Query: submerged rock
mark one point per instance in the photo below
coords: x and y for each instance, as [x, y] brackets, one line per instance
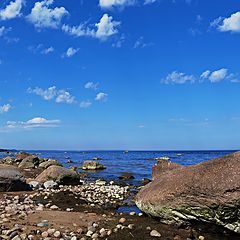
[126, 176]
[11, 179]
[92, 165]
[207, 192]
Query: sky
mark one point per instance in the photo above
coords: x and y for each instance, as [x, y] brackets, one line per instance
[120, 74]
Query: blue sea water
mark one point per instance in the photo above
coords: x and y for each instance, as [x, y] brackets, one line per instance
[138, 163]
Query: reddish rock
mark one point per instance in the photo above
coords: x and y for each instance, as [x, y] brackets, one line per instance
[21, 155]
[208, 192]
[162, 167]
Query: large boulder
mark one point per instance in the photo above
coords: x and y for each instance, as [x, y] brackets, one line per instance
[92, 165]
[29, 162]
[11, 179]
[60, 175]
[21, 155]
[8, 160]
[207, 192]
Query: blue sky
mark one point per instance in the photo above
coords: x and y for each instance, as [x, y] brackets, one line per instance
[120, 74]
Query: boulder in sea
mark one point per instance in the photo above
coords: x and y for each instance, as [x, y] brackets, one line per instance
[126, 176]
[92, 165]
[48, 163]
[206, 192]
[60, 175]
[29, 162]
[11, 179]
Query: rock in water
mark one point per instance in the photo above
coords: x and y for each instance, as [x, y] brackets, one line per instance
[11, 179]
[207, 192]
[92, 165]
[59, 174]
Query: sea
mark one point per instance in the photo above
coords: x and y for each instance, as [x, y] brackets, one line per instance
[137, 163]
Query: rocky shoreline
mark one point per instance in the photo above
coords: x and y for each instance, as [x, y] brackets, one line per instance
[40, 199]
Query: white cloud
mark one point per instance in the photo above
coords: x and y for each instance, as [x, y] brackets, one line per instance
[115, 3]
[141, 44]
[64, 97]
[101, 96]
[85, 104]
[141, 126]
[104, 29]
[178, 78]
[12, 10]
[5, 108]
[70, 52]
[149, 2]
[231, 24]
[37, 122]
[52, 93]
[215, 76]
[44, 17]
[47, 50]
[4, 31]
[91, 85]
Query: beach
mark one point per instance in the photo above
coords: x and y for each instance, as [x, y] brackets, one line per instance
[91, 208]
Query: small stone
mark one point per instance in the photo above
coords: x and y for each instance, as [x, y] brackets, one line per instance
[57, 234]
[131, 226]
[95, 236]
[45, 234]
[201, 238]
[54, 207]
[132, 213]
[122, 220]
[155, 233]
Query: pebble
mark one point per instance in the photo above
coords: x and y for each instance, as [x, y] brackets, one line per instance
[122, 220]
[201, 238]
[57, 234]
[155, 233]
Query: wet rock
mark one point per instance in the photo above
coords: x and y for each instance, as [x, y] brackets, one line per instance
[207, 192]
[11, 179]
[145, 181]
[126, 176]
[92, 165]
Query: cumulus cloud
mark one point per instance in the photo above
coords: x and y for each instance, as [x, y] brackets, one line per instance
[215, 76]
[42, 16]
[116, 3]
[178, 78]
[5, 108]
[91, 85]
[52, 93]
[101, 96]
[230, 24]
[37, 122]
[70, 52]
[12, 10]
[85, 104]
[103, 30]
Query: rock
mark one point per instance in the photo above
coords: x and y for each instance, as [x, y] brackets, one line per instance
[60, 175]
[48, 163]
[50, 184]
[145, 181]
[21, 155]
[126, 176]
[57, 234]
[8, 160]
[35, 184]
[92, 165]
[11, 179]
[164, 166]
[207, 192]
[29, 162]
[122, 220]
[155, 233]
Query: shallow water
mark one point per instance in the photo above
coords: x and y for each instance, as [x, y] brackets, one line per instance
[139, 163]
